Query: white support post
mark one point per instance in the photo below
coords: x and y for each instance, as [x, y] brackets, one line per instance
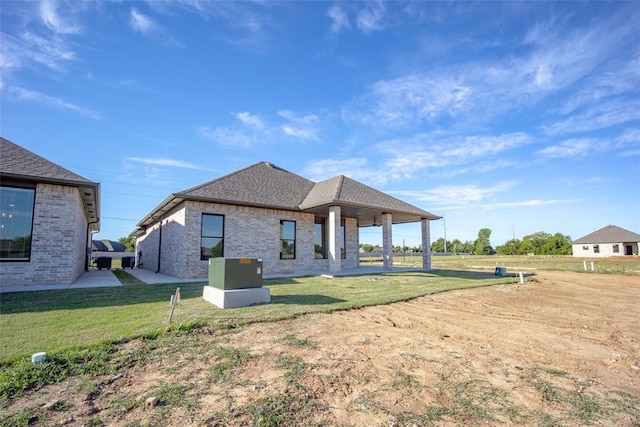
[335, 258]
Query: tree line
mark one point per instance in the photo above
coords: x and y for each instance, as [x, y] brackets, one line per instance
[539, 243]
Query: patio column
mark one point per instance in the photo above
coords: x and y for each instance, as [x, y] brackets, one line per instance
[426, 244]
[387, 242]
[335, 258]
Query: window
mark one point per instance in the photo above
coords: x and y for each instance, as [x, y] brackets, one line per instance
[287, 239]
[616, 248]
[16, 223]
[596, 249]
[585, 247]
[212, 236]
[320, 238]
[343, 251]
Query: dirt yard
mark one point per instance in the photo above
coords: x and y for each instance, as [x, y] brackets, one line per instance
[563, 349]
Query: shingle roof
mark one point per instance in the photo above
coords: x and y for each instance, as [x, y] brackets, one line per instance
[267, 185]
[609, 234]
[262, 184]
[342, 190]
[18, 163]
[106, 245]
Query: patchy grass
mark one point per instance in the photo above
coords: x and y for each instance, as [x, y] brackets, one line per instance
[292, 340]
[58, 320]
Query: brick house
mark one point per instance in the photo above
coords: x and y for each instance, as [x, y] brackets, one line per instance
[265, 212]
[608, 241]
[47, 214]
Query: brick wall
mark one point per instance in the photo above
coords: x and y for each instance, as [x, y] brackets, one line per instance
[59, 241]
[249, 232]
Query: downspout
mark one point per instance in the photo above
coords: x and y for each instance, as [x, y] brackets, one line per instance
[159, 247]
[89, 243]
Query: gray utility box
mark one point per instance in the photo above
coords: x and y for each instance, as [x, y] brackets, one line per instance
[235, 273]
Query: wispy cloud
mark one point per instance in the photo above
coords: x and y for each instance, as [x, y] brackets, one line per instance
[146, 25]
[251, 130]
[28, 48]
[23, 94]
[250, 120]
[431, 151]
[357, 168]
[51, 18]
[143, 23]
[165, 162]
[599, 115]
[371, 17]
[410, 101]
[452, 197]
[455, 195]
[570, 148]
[339, 20]
[477, 91]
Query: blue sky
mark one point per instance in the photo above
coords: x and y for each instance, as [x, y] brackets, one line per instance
[518, 117]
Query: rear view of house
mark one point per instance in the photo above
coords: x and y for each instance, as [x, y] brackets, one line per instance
[263, 211]
[47, 214]
[608, 241]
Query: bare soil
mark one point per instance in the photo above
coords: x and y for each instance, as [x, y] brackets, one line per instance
[563, 349]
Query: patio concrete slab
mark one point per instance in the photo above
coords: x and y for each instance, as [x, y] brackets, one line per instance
[105, 278]
[89, 279]
[151, 278]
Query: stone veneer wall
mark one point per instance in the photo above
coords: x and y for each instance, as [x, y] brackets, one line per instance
[59, 240]
[249, 232]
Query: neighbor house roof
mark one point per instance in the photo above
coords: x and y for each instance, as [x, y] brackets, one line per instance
[20, 164]
[106, 245]
[609, 234]
[267, 185]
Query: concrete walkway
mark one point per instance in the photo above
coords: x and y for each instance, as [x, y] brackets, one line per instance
[89, 279]
[105, 278]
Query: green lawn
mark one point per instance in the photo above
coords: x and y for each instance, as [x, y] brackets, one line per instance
[59, 320]
[526, 264]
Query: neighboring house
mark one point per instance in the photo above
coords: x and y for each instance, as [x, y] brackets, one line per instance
[608, 241]
[109, 248]
[289, 222]
[47, 215]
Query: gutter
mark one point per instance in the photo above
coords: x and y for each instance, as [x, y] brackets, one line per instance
[89, 243]
[159, 247]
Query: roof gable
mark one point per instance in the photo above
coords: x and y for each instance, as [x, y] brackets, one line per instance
[262, 184]
[18, 162]
[266, 185]
[609, 234]
[346, 191]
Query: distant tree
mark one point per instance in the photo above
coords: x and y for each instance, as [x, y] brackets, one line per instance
[482, 243]
[129, 243]
[367, 247]
[539, 243]
[512, 247]
[534, 243]
[558, 244]
[438, 245]
[468, 247]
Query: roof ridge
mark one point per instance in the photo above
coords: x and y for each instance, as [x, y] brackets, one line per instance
[339, 186]
[188, 190]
